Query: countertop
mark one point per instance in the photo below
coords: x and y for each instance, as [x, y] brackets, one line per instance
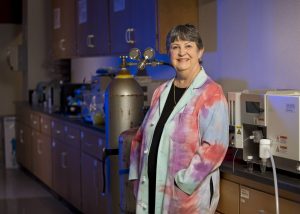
[68, 118]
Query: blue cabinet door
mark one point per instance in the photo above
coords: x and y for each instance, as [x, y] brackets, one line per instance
[93, 30]
[132, 24]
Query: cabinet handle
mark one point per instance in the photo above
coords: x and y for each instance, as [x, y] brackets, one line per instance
[63, 160]
[128, 36]
[61, 44]
[21, 141]
[34, 122]
[46, 126]
[89, 41]
[261, 212]
[57, 131]
[100, 142]
[39, 151]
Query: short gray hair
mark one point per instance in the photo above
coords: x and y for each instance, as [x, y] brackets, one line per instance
[185, 32]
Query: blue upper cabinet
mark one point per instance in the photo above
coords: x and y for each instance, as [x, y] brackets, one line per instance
[132, 24]
[63, 29]
[142, 24]
[112, 27]
[92, 28]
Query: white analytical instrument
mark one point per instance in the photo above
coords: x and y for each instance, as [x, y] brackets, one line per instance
[268, 114]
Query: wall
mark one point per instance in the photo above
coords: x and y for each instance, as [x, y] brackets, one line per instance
[10, 81]
[250, 44]
[34, 40]
[37, 31]
[258, 45]
[83, 68]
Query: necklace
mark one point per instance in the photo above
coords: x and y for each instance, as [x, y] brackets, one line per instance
[174, 93]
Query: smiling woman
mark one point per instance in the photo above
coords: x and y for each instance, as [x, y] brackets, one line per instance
[185, 49]
[185, 131]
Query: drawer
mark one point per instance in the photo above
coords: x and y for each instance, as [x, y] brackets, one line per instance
[72, 135]
[58, 129]
[92, 142]
[229, 197]
[255, 201]
[45, 122]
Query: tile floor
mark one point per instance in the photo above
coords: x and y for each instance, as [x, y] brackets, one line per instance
[21, 193]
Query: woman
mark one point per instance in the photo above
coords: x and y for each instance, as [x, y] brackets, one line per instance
[176, 152]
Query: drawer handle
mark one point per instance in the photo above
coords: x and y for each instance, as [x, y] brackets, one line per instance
[46, 126]
[63, 160]
[34, 122]
[57, 131]
[21, 140]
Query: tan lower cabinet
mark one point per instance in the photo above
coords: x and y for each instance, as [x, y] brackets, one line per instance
[42, 158]
[254, 201]
[24, 154]
[93, 201]
[66, 161]
[229, 197]
[66, 172]
[92, 183]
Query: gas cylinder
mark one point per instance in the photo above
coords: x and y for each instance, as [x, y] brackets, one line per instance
[124, 101]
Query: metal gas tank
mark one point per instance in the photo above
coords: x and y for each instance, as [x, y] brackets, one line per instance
[124, 102]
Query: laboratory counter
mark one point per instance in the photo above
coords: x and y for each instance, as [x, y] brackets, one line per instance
[237, 182]
[75, 119]
[286, 180]
[244, 191]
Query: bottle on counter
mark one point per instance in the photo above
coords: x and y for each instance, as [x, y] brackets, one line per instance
[250, 163]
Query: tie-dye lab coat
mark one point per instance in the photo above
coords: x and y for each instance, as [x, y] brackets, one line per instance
[192, 146]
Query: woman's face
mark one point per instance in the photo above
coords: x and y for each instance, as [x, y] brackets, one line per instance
[185, 55]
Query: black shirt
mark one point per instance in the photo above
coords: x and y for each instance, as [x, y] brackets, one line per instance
[152, 160]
